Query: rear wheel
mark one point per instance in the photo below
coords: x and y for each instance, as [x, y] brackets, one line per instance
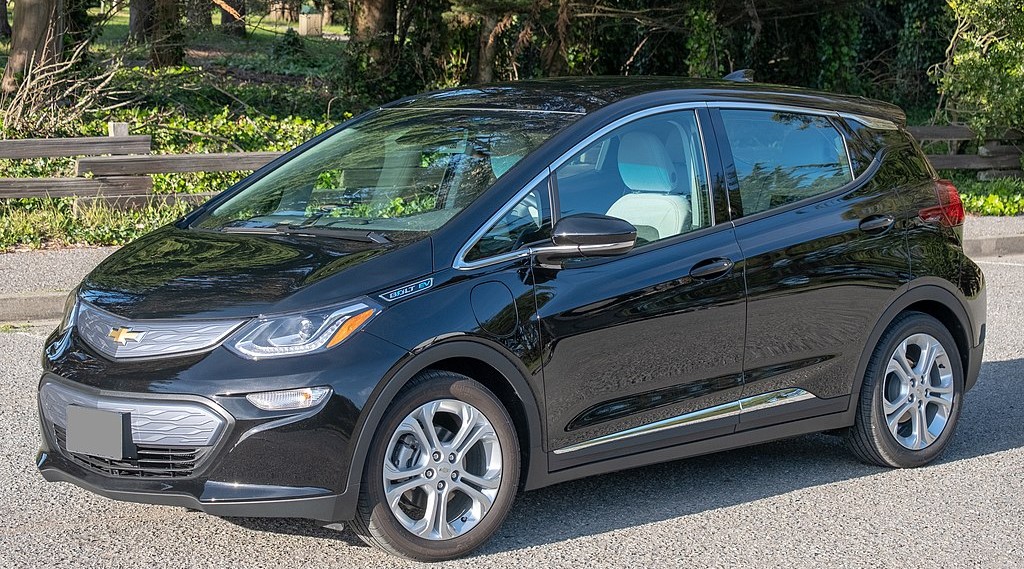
[442, 472]
[911, 396]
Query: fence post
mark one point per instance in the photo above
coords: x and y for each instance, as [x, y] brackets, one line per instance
[117, 128]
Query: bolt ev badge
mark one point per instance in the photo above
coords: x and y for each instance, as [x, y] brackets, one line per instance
[407, 290]
[124, 335]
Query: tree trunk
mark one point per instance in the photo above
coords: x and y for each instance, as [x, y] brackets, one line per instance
[488, 49]
[167, 48]
[373, 20]
[37, 40]
[5, 26]
[327, 9]
[198, 13]
[140, 20]
[230, 23]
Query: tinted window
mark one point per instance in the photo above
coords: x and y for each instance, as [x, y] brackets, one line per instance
[528, 221]
[784, 157]
[399, 170]
[650, 172]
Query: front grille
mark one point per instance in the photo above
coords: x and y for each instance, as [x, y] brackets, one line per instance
[151, 461]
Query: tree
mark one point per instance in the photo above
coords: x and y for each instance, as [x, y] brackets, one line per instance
[167, 47]
[493, 17]
[5, 26]
[982, 77]
[37, 38]
[140, 20]
[198, 14]
[373, 19]
[232, 17]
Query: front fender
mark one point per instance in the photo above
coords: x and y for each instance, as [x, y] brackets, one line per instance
[466, 347]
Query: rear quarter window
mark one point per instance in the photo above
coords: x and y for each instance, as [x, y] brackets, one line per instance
[782, 158]
[904, 159]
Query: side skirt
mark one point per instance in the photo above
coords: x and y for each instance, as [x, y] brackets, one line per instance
[701, 447]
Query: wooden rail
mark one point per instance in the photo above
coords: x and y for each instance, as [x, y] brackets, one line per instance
[67, 147]
[74, 187]
[172, 163]
[998, 155]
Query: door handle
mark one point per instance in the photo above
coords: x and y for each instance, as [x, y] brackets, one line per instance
[876, 223]
[711, 268]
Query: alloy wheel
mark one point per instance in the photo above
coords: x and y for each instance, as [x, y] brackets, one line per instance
[442, 469]
[917, 393]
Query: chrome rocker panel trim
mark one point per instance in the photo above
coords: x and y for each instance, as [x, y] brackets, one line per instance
[733, 408]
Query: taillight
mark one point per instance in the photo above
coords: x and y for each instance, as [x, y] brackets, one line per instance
[950, 211]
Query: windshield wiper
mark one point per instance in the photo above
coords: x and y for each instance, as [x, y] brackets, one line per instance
[337, 233]
[360, 235]
[252, 229]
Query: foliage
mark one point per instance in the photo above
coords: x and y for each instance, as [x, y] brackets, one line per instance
[35, 223]
[983, 76]
[702, 44]
[1003, 196]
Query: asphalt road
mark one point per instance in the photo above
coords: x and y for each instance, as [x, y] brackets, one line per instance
[803, 502]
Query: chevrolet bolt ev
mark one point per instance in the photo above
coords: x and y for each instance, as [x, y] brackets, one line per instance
[478, 291]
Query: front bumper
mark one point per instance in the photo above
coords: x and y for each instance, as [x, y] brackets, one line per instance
[250, 465]
[215, 498]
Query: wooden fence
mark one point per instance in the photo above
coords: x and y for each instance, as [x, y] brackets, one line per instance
[997, 156]
[118, 168]
[115, 168]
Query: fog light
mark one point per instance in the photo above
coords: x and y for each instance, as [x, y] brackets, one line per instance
[289, 398]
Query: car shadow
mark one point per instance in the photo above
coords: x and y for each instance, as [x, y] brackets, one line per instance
[670, 490]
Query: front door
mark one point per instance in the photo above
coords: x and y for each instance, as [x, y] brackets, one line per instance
[645, 350]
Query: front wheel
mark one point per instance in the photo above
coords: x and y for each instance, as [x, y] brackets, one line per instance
[443, 470]
[911, 396]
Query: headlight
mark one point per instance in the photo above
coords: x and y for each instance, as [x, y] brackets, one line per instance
[70, 311]
[296, 334]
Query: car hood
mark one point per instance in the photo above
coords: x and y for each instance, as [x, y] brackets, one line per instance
[175, 273]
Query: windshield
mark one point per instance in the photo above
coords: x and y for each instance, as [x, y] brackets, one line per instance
[399, 170]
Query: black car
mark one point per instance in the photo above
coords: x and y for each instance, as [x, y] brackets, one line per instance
[482, 290]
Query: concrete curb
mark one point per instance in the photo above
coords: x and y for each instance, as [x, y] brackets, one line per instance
[35, 306]
[994, 246]
[32, 306]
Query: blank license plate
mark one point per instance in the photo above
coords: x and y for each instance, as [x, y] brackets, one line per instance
[106, 434]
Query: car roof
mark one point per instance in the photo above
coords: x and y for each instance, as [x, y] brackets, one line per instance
[583, 95]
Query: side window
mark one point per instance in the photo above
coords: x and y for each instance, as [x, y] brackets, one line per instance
[784, 157]
[650, 172]
[529, 221]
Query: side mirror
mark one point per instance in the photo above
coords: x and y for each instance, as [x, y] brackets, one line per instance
[587, 235]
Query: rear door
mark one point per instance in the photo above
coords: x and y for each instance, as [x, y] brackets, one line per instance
[644, 350]
[821, 254]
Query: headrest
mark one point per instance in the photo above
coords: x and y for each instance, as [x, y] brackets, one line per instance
[644, 164]
[502, 164]
[808, 146]
[506, 151]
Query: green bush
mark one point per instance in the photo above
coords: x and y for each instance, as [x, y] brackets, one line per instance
[984, 77]
[1003, 196]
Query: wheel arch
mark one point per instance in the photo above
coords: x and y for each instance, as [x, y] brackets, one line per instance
[474, 358]
[933, 297]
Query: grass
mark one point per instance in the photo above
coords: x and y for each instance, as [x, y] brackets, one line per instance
[56, 222]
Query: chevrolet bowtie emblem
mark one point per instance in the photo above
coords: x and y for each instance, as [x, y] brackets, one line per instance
[124, 335]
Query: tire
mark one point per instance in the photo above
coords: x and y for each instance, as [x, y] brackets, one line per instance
[906, 414]
[448, 401]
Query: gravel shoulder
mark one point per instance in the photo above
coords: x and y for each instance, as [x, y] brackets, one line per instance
[48, 270]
